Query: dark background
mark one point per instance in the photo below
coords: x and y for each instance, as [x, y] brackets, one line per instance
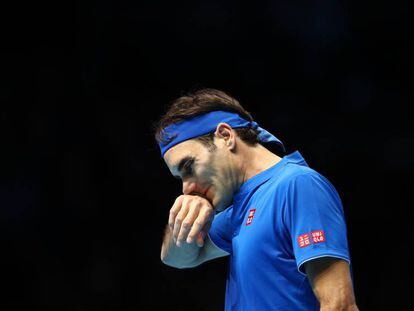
[84, 194]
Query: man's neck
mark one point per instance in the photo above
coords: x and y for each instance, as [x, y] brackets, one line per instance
[255, 160]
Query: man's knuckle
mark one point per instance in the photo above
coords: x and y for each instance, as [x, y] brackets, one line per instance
[177, 202]
[195, 206]
[205, 212]
[202, 200]
[199, 223]
[186, 225]
[186, 202]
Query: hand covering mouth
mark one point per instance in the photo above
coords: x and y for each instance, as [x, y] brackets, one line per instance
[204, 195]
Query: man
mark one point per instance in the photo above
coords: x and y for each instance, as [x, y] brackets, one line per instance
[279, 221]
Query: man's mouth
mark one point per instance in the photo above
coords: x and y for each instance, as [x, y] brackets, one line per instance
[204, 195]
[205, 192]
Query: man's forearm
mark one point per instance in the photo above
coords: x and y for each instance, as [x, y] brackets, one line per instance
[340, 298]
[332, 284]
[338, 307]
[181, 257]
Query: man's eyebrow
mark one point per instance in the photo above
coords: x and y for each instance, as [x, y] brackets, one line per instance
[184, 161]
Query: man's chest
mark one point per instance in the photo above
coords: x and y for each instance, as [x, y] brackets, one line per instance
[261, 234]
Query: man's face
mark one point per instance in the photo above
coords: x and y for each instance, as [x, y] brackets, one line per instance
[203, 172]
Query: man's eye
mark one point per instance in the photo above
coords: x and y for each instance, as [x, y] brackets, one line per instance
[188, 169]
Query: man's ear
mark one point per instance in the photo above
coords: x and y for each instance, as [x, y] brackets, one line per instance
[227, 134]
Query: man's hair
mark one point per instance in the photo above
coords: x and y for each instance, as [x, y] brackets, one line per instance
[200, 102]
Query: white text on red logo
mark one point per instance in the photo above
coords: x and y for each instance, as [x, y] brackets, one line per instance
[318, 236]
[304, 240]
[250, 216]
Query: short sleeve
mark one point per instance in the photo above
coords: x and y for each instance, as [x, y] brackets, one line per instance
[221, 230]
[315, 218]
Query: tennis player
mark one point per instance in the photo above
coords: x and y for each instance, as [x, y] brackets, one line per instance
[280, 222]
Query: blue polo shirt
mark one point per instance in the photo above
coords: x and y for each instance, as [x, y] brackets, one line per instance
[280, 219]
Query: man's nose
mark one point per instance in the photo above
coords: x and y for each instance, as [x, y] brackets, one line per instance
[188, 187]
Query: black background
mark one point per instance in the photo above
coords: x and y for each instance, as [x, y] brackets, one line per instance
[84, 194]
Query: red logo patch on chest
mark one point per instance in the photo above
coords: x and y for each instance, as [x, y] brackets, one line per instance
[250, 216]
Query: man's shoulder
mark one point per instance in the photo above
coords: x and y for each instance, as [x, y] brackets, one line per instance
[292, 171]
[297, 177]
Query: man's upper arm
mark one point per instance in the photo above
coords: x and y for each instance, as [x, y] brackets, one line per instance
[331, 282]
[315, 219]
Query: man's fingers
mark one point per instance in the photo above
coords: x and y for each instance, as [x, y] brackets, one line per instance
[203, 218]
[202, 235]
[179, 220]
[200, 238]
[188, 216]
[174, 211]
[188, 223]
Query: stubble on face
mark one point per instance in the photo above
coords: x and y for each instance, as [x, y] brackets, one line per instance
[219, 172]
[211, 173]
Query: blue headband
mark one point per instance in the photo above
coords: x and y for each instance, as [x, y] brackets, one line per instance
[207, 123]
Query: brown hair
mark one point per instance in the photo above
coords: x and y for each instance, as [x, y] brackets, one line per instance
[200, 102]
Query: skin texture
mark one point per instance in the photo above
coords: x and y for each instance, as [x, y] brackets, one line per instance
[331, 282]
[210, 178]
[215, 176]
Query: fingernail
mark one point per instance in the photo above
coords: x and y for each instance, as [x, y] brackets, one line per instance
[179, 243]
[189, 240]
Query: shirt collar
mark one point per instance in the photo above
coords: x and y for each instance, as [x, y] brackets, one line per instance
[260, 178]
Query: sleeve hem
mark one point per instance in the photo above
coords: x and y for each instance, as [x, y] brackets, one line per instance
[217, 244]
[334, 255]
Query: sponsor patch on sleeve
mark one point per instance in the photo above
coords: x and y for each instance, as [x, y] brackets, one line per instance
[318, 236]
[304, 240]
[314, 237]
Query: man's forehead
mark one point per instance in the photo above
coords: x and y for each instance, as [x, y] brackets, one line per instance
[187, 148]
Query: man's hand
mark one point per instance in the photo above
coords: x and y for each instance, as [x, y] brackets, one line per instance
[190, 219]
